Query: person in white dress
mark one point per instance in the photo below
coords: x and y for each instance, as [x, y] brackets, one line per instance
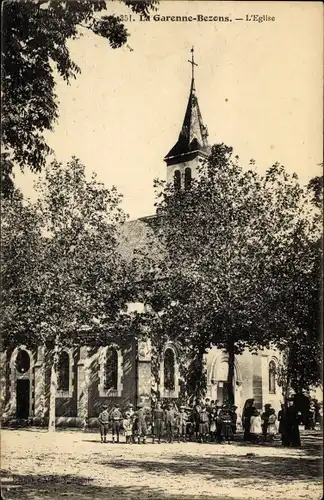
[256, 426]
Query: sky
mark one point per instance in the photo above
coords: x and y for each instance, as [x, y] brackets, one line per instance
[259, 86]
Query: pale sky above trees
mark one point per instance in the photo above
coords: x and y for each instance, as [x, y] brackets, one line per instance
[259, 87]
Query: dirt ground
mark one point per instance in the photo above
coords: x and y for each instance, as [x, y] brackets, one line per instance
[45, 466]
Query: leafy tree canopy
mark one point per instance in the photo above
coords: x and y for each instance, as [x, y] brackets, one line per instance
[237, 244]
[35, 35]
[62, 274]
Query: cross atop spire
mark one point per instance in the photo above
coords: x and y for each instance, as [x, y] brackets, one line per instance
[193, 64]
[193, 136]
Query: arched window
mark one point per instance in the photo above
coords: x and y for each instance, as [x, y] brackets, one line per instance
[22, 362]
[177, 180]
[169, 370]
[63, 372]
[187, 178]
[111, 370]
[272, 377]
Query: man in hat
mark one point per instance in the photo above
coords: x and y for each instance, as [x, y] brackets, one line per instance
[103, 420]
[140, 423]
[158, 418]
[170, 417]
[116, 418]
[203, 424]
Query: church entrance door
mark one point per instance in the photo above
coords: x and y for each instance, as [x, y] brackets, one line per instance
[23, 398]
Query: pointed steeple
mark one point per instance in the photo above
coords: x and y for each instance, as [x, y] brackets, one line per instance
[194, 134]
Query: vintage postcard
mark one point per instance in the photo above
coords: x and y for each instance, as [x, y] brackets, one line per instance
[161, 249]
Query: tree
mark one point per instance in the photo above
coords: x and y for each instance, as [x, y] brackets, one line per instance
[21, 244]
[301, 302]
[224, 239]
[35, 35]
[74, 284]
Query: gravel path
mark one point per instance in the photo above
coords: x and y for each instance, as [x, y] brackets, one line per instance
[45, 466]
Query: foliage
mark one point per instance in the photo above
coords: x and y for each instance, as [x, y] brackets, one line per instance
[35, 37]
[20, 247]
[64, 281]
[230, 242]
[315, 187]
[62, 274]
[301, 303]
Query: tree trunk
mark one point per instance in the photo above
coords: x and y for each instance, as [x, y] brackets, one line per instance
[85, 397]
[286, 378]
[231, 372]
[53, 388]
[196, 377]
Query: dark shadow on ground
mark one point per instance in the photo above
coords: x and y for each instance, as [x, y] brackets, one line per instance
[312, 444]
[307, 466]
[248, 468]
[31, 487]
[222, 467]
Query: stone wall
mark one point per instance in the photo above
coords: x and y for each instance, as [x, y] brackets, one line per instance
[128, 392]
[82, 402]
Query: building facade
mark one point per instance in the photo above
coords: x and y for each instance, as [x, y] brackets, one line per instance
[89, 377]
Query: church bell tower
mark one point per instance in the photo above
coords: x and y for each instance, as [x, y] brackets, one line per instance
[192, 145]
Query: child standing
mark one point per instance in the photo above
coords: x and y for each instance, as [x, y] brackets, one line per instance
[128, 427]
[256, 426]
[103, 420]
[212, 424]
[272, 425]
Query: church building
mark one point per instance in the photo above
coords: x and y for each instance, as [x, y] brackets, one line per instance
[122, 373]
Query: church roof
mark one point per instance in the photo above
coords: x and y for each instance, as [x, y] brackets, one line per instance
[193, 135]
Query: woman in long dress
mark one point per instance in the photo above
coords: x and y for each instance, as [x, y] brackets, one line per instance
[291, 426]
[248, 411]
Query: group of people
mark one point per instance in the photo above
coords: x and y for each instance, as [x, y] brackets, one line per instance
[263, 427]
[204, 421]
